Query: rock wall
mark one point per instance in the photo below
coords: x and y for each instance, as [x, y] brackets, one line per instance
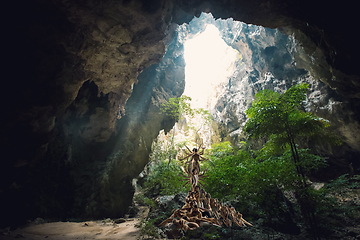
[79, 63]
[71, 144]
[272, 60]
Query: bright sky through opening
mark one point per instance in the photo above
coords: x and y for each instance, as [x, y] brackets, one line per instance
[209, 62]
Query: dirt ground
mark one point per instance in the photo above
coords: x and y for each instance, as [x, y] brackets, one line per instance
[102, 229]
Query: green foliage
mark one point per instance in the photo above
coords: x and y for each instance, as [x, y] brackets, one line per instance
[160, 151]
[280, 118]
[222, 149]
[179, 108]
[281, 157]
[142, 200]
[176, 107]
[272, 113]
[205, 114]
[148, 229]
[224, 171]
[310, 162]
[214, 235]
[337, 202]
[165, 177]
[345, 181]
[245, 178]
[256, 179]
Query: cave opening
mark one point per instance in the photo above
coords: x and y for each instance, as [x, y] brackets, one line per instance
[225, 63]
[209, 61]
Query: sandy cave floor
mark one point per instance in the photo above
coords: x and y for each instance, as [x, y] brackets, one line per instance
[102, 229]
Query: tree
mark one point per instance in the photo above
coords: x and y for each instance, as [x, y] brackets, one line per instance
[280, 119]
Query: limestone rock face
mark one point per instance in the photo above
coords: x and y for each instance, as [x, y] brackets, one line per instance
[84, 84]
[136, 132]
[269, 60]
[320, 33]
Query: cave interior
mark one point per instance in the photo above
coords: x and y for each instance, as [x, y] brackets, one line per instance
[82, 109]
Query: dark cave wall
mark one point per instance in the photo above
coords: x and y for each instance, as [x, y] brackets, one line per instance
[80, 62]
[136, 131]
[72, 143]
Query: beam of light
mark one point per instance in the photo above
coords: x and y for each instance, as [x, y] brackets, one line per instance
[209, 62]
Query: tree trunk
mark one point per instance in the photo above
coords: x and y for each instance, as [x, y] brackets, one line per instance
[302, 195]
[172, 144]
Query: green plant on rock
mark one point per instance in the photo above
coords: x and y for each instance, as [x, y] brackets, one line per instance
[142, 200]
[177, 107]
[148, 230]
[337, 207]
